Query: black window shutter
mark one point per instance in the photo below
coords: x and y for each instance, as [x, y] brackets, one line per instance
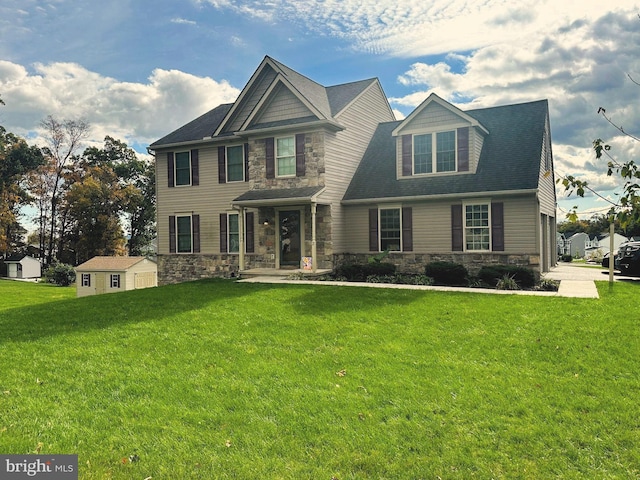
[223, 233]
[195, 232]
[497, 227]
[373, 230]
[270, 158]
[463, 149]
[249, 225]
[172, 234]
[246, 162]
[456, 228]
[300, 167]
[407, 155]
[222, 165]
[407, 229]
[171, 169]
[195, 167]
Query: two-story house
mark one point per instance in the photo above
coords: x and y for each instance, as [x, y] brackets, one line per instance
[294, 170]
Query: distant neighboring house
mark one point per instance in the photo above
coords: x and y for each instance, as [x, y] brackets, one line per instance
[578, 244]
[115, 274]
[23, 266]
[562, 244]
[604, 243]
[295, 173]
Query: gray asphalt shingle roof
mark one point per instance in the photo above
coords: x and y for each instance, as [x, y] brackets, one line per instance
[510, 158]
[197, 129]
[328, 100]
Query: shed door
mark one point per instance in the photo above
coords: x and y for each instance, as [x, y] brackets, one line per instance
[100, 283]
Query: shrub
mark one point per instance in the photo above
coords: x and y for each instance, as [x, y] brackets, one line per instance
[548, 285]
[447, 273]
[567, 258]
[507, 283]
[357, 272]
[60, 274]
[401, 279]
[491, 274]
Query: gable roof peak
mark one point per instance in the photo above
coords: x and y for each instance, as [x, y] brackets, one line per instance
[434, 98]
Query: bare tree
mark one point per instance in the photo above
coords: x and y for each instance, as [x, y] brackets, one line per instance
[64, 138]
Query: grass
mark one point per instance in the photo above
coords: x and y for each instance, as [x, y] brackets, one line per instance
[215, 379]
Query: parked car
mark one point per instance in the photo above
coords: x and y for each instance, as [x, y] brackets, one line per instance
[616, 262]
[628, 258]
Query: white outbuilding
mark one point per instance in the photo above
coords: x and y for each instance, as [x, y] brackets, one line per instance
[23, 266]
[115, 274]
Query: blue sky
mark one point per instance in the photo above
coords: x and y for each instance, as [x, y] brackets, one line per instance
[136, 70]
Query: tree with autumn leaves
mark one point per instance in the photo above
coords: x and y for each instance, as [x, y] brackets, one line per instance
[85, 201]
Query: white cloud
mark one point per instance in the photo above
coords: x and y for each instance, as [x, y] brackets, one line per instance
[140, 112]
[183, 21]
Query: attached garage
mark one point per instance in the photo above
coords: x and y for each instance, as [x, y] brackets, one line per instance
[115, 274]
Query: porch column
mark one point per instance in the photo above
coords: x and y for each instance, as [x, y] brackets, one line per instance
[314, 252]
[241, 225]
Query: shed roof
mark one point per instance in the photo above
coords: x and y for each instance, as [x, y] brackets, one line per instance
[106, 263]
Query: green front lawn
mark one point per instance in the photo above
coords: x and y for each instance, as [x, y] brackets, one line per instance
[216, 379]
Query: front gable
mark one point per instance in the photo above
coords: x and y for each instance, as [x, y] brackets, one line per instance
[279, 104]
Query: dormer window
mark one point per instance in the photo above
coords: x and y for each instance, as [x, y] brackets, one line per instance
[442, 158]
[435, 152]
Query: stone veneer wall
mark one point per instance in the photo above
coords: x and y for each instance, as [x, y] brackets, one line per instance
[189, 267]
[415, 262]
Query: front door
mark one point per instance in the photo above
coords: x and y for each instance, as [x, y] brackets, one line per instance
[290, 252]
[100, 283]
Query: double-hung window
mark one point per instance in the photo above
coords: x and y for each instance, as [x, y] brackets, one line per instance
[233, 232]
[477, 227]
[235, 163]
[182, 168]
[434, 152]
[285, 157]
[390, 229]
[183, 234]
[86, 279]
[115, 280]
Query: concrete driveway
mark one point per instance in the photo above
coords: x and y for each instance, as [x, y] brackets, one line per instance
[581, 272]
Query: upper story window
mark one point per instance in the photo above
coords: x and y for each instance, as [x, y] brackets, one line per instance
[285, 157]
[183, 168]
[442, 158]
[435, 152]
[235, 163]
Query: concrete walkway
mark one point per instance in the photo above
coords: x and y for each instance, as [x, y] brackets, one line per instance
[576, 281]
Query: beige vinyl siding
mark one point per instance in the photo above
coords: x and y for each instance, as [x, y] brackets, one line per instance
[259, 87]
[547, 180]
[344, 150]
[208, 199]
[436, 118]
[432, 224]
[283, 106]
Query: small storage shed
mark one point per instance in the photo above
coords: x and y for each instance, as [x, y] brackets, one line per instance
[115, 274]
[23, 266]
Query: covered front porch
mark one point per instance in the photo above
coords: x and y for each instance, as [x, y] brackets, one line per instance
[294, 230]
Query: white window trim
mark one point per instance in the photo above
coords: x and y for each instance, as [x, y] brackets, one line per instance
[434, 152]
[226, 163]
[389, 207]
[114, 276]
[464, 224]
[276, 156]
[190, 234]
[86, 276]
[175, 169]
[242, 233]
